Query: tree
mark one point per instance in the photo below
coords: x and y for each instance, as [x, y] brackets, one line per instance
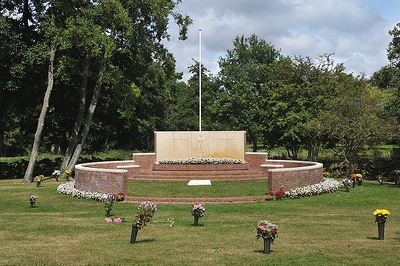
[393, 50]
[90, 35]
[355, 117]
[388, 77]
[246, 79]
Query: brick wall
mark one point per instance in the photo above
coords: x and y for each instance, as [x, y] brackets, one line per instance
[293, 174]
[112, 177]
[103, 177]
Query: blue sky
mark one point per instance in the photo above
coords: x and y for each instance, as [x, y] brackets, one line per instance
[354, 31]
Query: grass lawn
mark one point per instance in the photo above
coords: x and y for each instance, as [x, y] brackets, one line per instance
[331, 229]
[182, 190]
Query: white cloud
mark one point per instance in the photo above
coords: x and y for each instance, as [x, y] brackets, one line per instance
[356, 31]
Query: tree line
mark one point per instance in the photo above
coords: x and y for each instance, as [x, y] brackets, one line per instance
[85, 75]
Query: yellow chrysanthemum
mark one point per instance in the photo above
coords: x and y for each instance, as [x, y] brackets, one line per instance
[381, 212]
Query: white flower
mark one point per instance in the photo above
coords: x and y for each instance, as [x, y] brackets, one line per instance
[69, 189]
[327, 186]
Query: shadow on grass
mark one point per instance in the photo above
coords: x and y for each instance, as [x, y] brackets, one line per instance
[144, 241]
[261, 251]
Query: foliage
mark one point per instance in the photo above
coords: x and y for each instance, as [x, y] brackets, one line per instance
[354, 118]
[265, 230]
[246, 81]
[381, 215]
[394, 46]
[145, 213]
[198, 210]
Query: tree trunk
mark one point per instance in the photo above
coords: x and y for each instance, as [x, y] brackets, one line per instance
[73, 140]
[4, 99]
[40, 125]
[70, 164]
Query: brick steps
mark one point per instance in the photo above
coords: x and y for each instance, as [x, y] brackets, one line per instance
[239, 175]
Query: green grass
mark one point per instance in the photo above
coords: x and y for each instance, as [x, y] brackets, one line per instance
[182, 190]
[331, 229]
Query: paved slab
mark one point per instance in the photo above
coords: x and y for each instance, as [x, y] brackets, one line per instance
[199, 183]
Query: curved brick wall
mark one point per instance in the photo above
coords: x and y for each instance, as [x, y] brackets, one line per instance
[292, 174]
[104, 177]
[112, 177]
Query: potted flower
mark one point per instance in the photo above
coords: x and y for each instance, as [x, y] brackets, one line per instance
[347, 183]
[56, 174]
[280, 194]
[144, 215]
[120, 196]
[32, 200]
[380, 218]
[270, 196]
[38, 179]
[197, 212]
[68, 174]
[268, 231]
[358, 178]
[108, 203]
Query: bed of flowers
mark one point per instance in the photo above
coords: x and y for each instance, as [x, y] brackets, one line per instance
[69, 189]
[202, 161]
[327, 186]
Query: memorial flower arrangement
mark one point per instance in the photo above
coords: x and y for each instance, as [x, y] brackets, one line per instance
[68, 173]
[56, 174]
[108, 203]
[357, 177]
[32, 199]
[266, 229]
[198, 210]
[39, 178]
[381, 215]
[120, 196]
[280, 194]
[270, 196]
[144, 214]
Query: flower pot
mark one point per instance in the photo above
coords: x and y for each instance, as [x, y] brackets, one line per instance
[381, 231]
[196, 221]
[134, 233]
[267, 245]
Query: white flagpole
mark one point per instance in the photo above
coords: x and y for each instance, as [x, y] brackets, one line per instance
[199, 79]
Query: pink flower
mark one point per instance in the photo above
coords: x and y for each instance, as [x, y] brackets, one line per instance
[117, 220]
[108, 220]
